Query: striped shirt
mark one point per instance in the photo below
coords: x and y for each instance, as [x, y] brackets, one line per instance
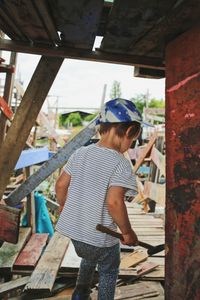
[93, 169]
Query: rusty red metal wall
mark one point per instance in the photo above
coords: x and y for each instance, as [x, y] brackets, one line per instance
[183, 167]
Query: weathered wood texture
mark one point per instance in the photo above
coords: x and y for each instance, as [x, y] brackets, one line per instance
[133, 259]
[9, 252]
[44, 275]
[13, 285]
[31, 253]
[25, 116]
[57, 161]
[145, 152]
[9, 224]
[183, 172]
[155, 191]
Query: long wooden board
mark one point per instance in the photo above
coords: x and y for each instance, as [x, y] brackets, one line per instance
[133, 259]
[31, 253]
[9, 224]
[155, 191]
[44, 275]
[145, 152]
[13, 285]
[9, 252]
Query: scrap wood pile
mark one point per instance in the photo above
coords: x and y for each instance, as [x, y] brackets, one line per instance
[44, 267]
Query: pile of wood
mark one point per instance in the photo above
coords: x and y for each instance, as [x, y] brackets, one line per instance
[43, 267]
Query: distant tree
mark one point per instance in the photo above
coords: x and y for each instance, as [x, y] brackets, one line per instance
[74, 119]
[61, 120]
[141, 102]
[115, 90]
[90, 117]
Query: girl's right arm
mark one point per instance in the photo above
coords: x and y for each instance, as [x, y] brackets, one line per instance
[61, 188]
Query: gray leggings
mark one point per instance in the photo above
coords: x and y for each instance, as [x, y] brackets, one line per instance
[106, 259]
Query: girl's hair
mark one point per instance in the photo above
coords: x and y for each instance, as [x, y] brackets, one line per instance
[121, 128]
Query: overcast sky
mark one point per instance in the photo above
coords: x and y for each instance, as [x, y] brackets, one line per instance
[80, 83]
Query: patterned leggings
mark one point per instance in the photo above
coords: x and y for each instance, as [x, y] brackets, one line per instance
[106, 259]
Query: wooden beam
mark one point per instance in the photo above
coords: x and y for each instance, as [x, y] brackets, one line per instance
[10, 286]
[9, 224]
[26, 115]
[155, 191]
[148, 73]
[57, 161]
[159, 160]
[145, 152]
[82, 54]
[9, 252]
[44, 275]
[32, 252]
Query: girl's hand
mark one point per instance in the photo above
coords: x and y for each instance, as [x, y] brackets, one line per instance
[130, 239]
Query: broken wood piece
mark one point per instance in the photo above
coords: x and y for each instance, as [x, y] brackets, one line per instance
[145, 152]
[159, 160]
[10, 286]
[137, 290]
[31, 253]
[9, 224]
[145, 268]
[133, 259]
[44, 275]
[9, 252]
[155, 191]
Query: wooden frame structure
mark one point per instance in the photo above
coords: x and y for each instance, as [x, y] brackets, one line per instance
[154, 35]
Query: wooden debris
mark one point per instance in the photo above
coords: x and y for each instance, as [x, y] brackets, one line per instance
[9, 252]
[13, 285]
[44, 275]
[9, 224]
[31, 253]
[133, 259]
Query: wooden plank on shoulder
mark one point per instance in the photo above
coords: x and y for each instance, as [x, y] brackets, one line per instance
[145, 152]
[9, 224]
[9, 252]
[31, 253]
[44, 275]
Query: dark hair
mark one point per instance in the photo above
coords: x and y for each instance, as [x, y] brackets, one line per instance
[121, 128]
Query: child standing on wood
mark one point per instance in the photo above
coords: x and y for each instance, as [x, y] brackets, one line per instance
[91, 190]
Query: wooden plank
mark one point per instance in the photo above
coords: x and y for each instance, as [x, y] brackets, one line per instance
[25, 116]
[18, 283]
[155, 191]
[9, 224]
[57, 161]
[44, 275]
[148, 73]
[133, 259]
[31, 253]
[5, 108]
[132, 60]
[159, 160]
[9, 252]
[145, 152]
[77, 31]
[135, 291]
[71, 259]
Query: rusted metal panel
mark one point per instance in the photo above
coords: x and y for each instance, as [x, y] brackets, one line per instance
[183, 167]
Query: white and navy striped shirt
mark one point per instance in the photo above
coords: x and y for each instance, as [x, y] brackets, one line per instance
[93, 169]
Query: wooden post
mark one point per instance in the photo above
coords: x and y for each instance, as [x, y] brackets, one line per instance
[26, 115]
[183, 167]
[8, 89]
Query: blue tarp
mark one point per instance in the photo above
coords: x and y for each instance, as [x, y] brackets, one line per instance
[42, 219]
